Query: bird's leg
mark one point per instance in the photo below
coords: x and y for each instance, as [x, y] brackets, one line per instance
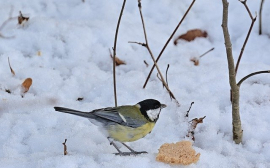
[132, 152]
[112, 143]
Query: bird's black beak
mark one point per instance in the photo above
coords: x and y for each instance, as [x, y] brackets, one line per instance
[163, 106]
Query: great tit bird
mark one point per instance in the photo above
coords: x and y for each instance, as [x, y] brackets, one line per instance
[124, 123]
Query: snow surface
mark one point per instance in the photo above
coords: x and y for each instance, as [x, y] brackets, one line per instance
[74, 37]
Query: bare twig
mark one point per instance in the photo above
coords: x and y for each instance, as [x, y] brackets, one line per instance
[189, 109]
[196, 60]
[160, 79]
[166, 44]
[11, 70]
[252, 74]
[244, 2]
[207, 52]
[247, 37]
[151, 54]
[260, 17]
[168, 66]
[114, 51]
[65, 147]
[145, 63]
[142, 44]
[5, 23]
[237, 128]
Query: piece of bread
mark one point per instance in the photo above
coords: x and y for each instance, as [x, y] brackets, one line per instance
[178, 153]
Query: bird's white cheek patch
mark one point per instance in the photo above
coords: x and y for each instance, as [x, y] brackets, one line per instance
[153, 114]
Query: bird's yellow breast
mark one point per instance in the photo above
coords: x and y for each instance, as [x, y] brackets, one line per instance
[128, 134]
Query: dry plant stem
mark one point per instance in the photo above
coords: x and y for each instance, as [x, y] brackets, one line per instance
[11, 70]
[142, 44]
[189, 109]
[249, 31]
[252, 74]
[166, 44]
[65, 147]
[146, 63]
[260, 17]
[151, 54]
[237, 128]
[207, 52]
[5, 22]
[168, 66]
[245, 4]
[114, 52]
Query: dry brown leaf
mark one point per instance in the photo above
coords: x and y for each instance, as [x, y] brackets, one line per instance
[26, 85]
[178, 153]
[119, 62]
[22, 19]
[195, 61]
[193, 126]
[191, 35]
[12, 71]
[39, 53]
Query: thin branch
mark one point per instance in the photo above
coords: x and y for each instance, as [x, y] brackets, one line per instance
[252, 74]
[151, 54]
[249, 31]
[5, 23]
[168, 66]
[65, 147]
[142, 44]
[160, 80]
[189, 109]
[114, 52]
[166, 44]
[260, 17]
[245, 4]
[207, 52]
[11, 70]
[146, 63]
[236, 121]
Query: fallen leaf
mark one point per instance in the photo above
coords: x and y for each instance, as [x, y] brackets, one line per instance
[191, 35]
[22, 19]
[26, 85]
[193, 126]
[117, 60]
[195, 61]
[12, 71]
[39, 53]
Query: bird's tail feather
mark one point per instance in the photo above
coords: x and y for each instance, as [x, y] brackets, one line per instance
[74, 112]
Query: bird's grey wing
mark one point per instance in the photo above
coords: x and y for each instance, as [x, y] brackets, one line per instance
[113, 115]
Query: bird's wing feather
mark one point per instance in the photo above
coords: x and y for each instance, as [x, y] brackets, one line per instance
[112, 114]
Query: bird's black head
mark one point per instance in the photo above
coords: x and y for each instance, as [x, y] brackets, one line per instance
[151, 108]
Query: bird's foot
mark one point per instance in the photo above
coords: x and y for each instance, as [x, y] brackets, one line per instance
[130, 153]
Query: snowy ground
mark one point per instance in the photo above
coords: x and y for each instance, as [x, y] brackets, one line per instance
[74, 37]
